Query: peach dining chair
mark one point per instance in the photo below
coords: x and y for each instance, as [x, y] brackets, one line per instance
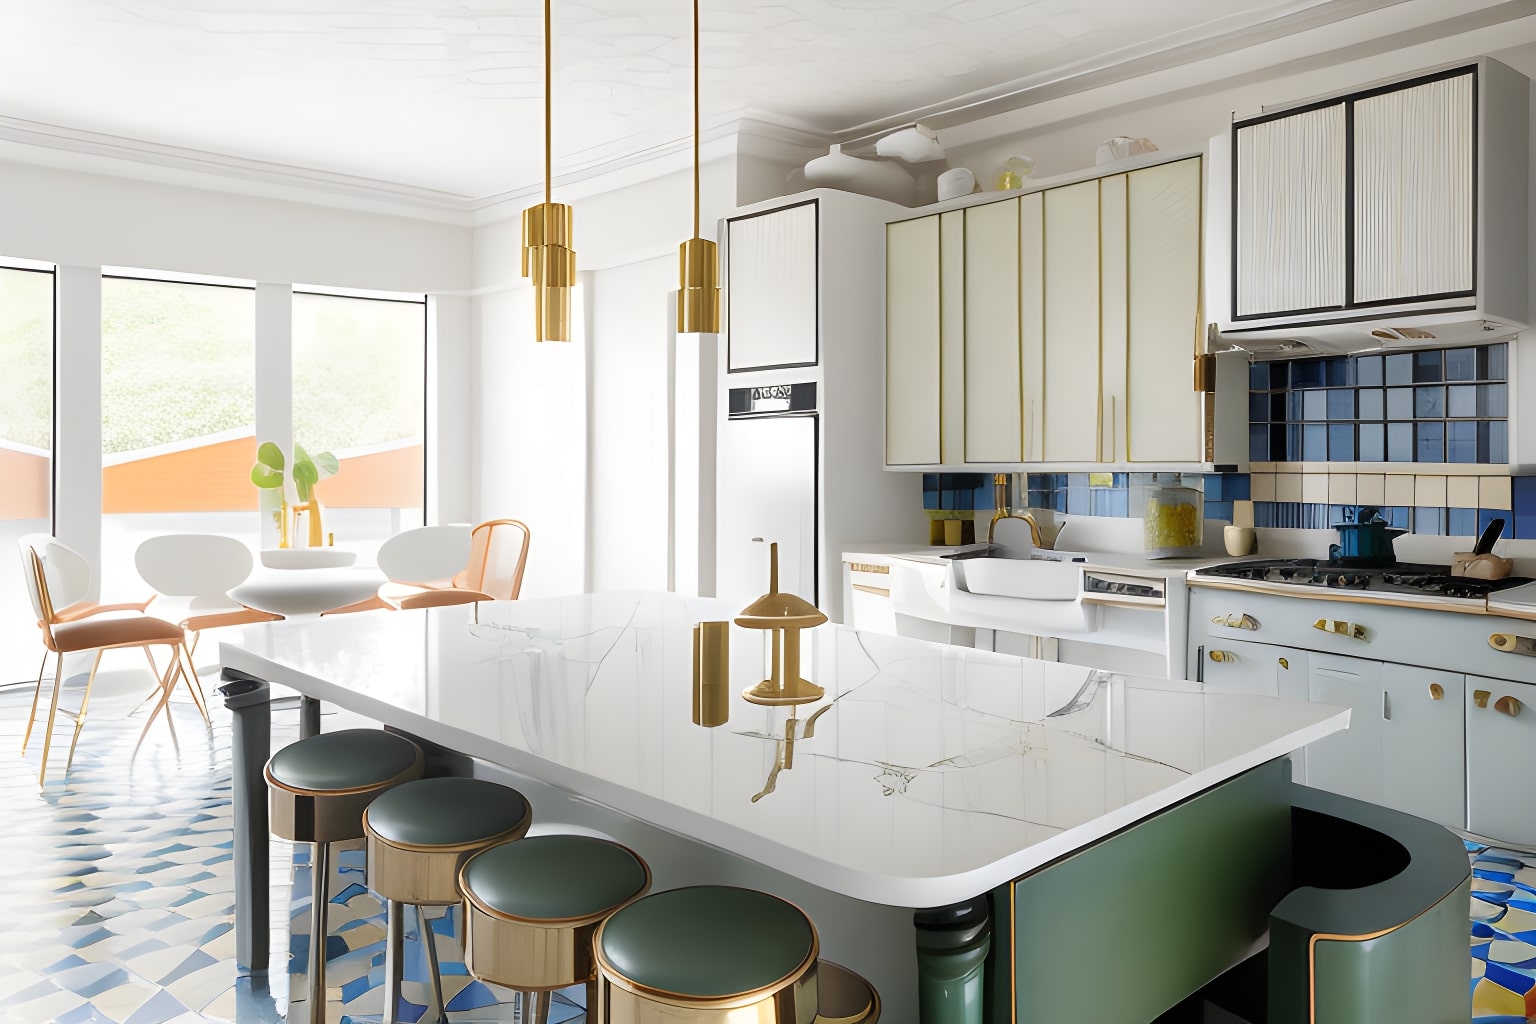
[417, 563]
[57, 578]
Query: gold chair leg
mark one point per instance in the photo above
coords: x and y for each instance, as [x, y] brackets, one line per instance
[319, 896]
[85, 703]
[194, 684]
[394, 954]
[167, 685]
[26, 737]
[535, 1007]
[53, 710]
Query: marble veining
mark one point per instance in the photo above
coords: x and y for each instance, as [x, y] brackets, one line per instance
[932, 772]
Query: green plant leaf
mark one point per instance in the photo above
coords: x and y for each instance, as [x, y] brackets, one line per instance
[266, 476]
[327, 464]
[270, 455]
[305, 476]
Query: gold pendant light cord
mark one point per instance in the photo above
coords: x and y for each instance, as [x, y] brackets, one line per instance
[548, 119]
[695, 118]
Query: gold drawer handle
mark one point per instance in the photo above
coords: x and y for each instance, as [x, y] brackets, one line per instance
[1509, 643]
[1237, 620]
[1436, 691]
[1508, 706]
[1225, 657]
[883, 570]
[1480, 697]
[1353, 630]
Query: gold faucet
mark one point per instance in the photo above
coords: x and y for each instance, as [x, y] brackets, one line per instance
[1000, 500]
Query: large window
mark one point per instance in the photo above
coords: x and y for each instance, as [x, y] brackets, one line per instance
[359, 383]
[26, 446]
[177, 417]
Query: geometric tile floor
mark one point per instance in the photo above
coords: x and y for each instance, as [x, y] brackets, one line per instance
[1503, 935]
[117, 887]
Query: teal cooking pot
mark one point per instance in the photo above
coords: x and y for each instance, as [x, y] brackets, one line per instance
[1364, 536]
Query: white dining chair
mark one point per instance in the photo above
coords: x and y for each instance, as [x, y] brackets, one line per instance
[415, 561]
[201, 568]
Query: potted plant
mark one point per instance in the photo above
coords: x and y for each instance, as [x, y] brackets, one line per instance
[297, 486]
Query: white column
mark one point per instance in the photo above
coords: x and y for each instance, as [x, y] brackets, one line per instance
[274, 386]
[77, 444]
[448, 409]
[695, 392]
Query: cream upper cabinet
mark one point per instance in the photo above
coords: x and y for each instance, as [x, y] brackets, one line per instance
[1072, 316]
[771, 301]
[952, 337]
[1163, 414]
[1032, 321]
[993, 405]
[1415, 202]
[912, 342]
[1114, 329]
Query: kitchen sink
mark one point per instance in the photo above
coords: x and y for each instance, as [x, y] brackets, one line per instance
[1053, 577]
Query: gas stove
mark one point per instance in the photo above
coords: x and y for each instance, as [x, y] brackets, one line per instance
[1395, 582]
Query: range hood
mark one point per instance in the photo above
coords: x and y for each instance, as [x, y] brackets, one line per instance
[1388, 334]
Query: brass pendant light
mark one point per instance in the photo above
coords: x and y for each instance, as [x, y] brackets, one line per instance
[547, 233]
[698, 292]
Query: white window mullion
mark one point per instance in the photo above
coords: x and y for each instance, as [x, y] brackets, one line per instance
[77, 415]
[274, 385]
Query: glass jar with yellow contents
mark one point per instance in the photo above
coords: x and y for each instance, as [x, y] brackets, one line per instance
[1174, 521]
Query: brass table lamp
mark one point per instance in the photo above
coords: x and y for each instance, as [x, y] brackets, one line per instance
[784, 615]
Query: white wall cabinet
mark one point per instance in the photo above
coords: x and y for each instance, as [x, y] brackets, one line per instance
[1068, 322]
[1501, 759]
[912, 342]
[1402, 199]
[771, 280]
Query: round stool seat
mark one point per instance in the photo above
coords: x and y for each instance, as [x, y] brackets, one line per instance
[553, 878]
[419, 835]
[446, 812]
[320, 786]
[531, 907]
[708, 944]
[335, 762]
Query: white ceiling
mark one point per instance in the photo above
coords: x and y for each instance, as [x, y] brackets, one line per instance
[447, 94]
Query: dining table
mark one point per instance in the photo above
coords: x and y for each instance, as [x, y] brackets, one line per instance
[940, 811]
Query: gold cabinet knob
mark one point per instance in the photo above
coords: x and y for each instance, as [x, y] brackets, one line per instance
[1285, 663]
[1507, 706]
[1223, 656]
[1236, 620]
[1480, 697]
[1436, 691]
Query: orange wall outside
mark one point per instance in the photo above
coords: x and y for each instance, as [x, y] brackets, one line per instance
[24, 491]
[217, 478]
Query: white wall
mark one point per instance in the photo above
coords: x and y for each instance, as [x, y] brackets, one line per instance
[631, 334]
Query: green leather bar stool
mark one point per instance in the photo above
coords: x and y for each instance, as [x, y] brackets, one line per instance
[532, 907]
[707, 954]
[419, 836]
[319, 789]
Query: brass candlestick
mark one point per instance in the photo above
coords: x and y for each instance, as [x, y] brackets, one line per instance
[784, 615]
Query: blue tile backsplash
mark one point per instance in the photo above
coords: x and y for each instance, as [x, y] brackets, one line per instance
[1437, 405]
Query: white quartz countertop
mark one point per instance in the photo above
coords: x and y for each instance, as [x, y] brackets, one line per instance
[930, 773]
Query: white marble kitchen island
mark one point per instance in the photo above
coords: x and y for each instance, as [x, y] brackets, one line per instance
[931, 775]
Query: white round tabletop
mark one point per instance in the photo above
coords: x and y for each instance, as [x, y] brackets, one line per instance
[307, 558]
[307, 592]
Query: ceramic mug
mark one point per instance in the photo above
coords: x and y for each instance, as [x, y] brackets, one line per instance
[1240, 540]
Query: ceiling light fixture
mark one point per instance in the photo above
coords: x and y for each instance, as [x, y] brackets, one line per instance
[547, 231]
[698, 292]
